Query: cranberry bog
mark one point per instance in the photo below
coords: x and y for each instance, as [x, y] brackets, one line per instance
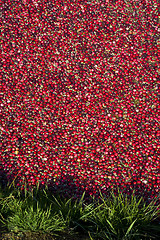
[79, 103]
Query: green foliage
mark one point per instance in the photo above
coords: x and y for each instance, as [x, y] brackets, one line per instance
[73, 213]
[35, 219]
[118, 217]
[123, 218]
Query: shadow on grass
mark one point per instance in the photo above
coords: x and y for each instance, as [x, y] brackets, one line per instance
[67, 186]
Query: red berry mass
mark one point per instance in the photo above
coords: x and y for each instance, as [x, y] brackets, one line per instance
[79, 95]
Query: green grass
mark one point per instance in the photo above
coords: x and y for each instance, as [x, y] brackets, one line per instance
[41, 212]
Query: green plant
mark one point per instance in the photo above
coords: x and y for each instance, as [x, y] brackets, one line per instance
[35, 219]
[74, 214]
[114, 217]
[124, 218]
[19, 213]
[8, 206]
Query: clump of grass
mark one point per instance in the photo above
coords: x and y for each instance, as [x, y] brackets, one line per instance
[74, 213]
[20, 214]
[35, 219]
[115, 218]
[122, 217]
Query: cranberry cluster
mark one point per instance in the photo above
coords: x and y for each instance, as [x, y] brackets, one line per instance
[79, 94]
